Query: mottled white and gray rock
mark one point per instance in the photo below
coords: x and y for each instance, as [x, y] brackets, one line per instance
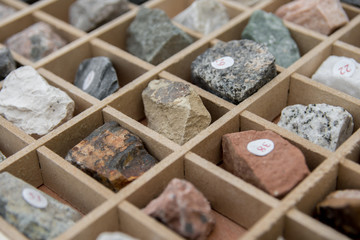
[2, 157]
[174, 110]
[7, 62]
[33, 222]
[97, 77]
[90, 14]
[326, 125]
[6, 11]
[153, 38]
[114, 236]
[203, 16]
[234, 70]
[30, 103]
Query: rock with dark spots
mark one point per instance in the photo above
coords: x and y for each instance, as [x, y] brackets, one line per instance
[323, 124]
[112, 155]
[184, 209]
[6, 11]
[38, 217]
[234, 70]
[114, 236]
[97, 77]
[2, 157]
[264, 159]
[153, 38]
[7, 62]
[352, 2]
[138, 2]
[36, 41]
[175, 110]
[268, 29]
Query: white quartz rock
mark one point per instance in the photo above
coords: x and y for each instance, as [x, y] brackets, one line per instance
[323, 124]
[114, 236]
[203, 16]
[341, 73]
[30, 103]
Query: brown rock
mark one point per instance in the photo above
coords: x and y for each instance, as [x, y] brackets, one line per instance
[323, 16]
[184, 209]
[112, 155]
[276, 173]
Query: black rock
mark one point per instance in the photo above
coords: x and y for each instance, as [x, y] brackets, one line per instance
[138, 2]
[30, 1]
[352, 2]
[7, 63]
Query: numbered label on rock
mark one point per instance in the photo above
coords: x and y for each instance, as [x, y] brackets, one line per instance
[261, 147]
[344, 68]
[34, 198]
[222, 63]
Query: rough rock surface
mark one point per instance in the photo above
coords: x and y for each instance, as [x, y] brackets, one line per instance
[341, 73]
[35, 42]
[97, 77]
[184, 209]
[153, 38]
[175, 110]
[90, 14]
[323, 124]
[7, 62]
[276, 173]
[352, 2]
[323, 16]
[112, 155]
[203, 16]
[246, 2]
[341, 210]
[33, 105]
[234, 70]
[2, 157]
[268, 29]
[33, 222]
[6, 11]
[114, 236]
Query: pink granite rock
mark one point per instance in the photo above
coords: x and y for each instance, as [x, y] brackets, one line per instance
[280, 169]
[184, 209]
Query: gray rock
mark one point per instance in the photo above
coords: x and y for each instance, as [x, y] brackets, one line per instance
[234, 70]
[35, 223]
[97, 77]
[6, 11]
[153, 38]
[2, 157]
[90, 14]
[246, 2]
[323, 124]
[114, 236]
[352, 2]
[7, 62]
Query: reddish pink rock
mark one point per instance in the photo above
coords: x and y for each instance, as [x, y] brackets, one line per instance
[184, 209]
[276, 173]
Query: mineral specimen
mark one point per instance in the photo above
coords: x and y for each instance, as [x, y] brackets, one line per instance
[7, 62]
[138, 1]
[352, 2]
[6, 11]
[2, 157]
[114, 236]
[247, 2]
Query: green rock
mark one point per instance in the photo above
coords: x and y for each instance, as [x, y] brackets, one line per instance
[268, 29]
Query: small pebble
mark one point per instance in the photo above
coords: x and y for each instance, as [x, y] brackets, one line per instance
[2, 157]
[138, 2]
[246, 2]
[114, 236]
[7, 62]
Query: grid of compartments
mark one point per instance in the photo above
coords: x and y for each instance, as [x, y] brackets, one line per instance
[242, 211]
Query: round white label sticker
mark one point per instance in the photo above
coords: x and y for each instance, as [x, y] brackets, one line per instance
[344, 68]
[261, 147]
[222, 63]
[34, 198]
[88, 80]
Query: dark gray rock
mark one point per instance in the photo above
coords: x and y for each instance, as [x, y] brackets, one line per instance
[6, 11]
[30, 1]
[97, 77]
[153, 38]
[352, 2]
[234, 70]
[138, 2]
[7, 62]
[2, 157]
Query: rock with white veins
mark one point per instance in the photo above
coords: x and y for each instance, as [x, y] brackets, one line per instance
[30, 103]
[323, 124]
[174, 110]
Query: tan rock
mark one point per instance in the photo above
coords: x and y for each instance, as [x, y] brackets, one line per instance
[277, 172]
[174, 110]
[184, 209]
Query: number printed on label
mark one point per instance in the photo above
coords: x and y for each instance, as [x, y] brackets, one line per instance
[344, 68]
[222, 63]
[261, 147]
[34, 198]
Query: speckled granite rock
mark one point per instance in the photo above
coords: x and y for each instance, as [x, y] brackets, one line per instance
[90, 14]
[153, 38]
[323, 124]
[7, 62]
[352, 2]
[6, 11]
[234, 70]
[97, 77]
[114, 236]
[35, 223]
[203, 16]
[175, 110]
[184, 209]
[268, 29]
[112, 155]
[2, 157]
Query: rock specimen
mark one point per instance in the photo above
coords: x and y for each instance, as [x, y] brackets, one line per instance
[352, 2]
[323, 16]
[234, 70]
[97, 77]
[153, 38]
[35, 214]
[341, 73]
[30, 103]
[138, 1]
[322, 124]
[90, 14]
[30, 1]
[184, 209]
[246, 2]
[7, 62]
[114, 236]
[2, 157]
[264, 159]
[341, 210]
[36, 41]
[268, 29]
[175, 110]
[203, 16]
[112, 155]
[6, 11]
